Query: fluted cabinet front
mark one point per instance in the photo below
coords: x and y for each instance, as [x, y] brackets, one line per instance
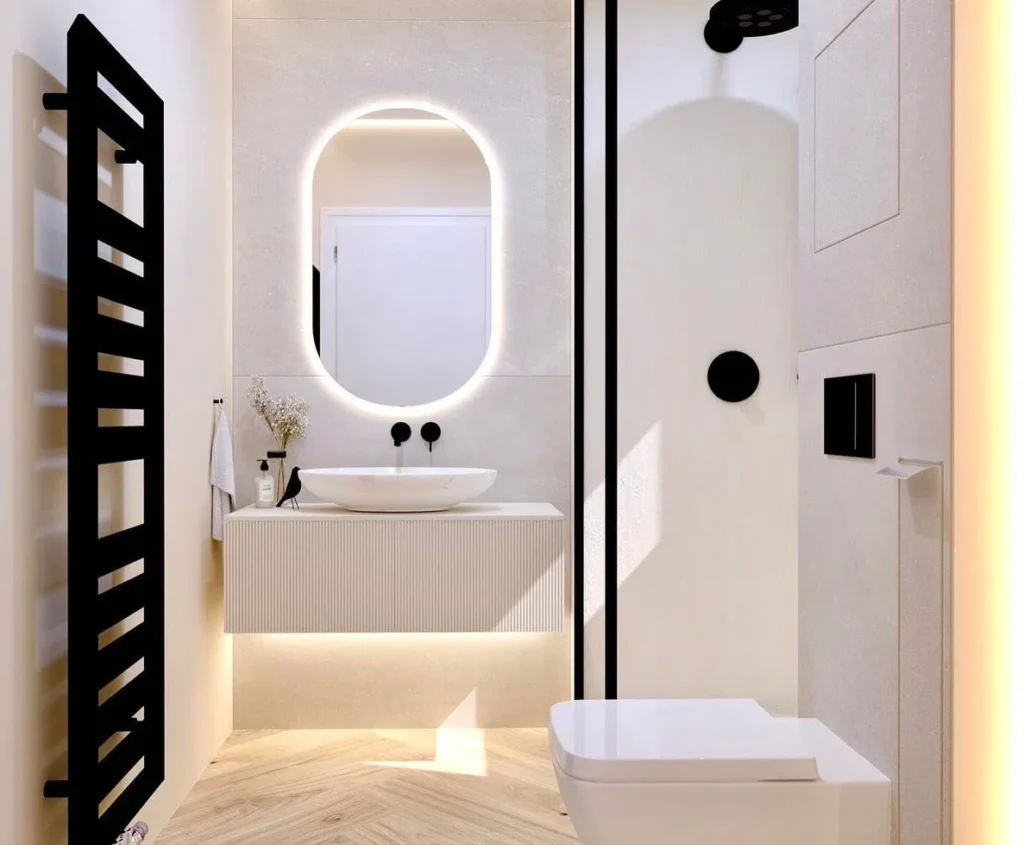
[323, 570]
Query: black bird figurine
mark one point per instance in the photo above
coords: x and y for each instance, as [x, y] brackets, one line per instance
[292, 489]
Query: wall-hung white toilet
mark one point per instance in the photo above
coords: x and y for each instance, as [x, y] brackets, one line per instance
[711, 772]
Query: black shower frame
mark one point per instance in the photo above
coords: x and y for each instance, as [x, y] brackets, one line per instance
[611, 391]
[579, 351]
[611, 606]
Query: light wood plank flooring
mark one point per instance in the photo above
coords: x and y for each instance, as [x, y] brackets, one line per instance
[415, 787]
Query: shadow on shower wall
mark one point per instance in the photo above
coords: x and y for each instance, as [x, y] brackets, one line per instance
[41, 350]
[707, 490]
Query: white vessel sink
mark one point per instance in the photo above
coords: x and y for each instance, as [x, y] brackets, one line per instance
[404, 490]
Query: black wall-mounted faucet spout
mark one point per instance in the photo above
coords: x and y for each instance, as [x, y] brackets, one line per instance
[400, 432]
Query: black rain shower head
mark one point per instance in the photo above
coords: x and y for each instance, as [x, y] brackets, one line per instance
[730, 21]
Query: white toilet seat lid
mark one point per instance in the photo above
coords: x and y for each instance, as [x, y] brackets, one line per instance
[678, 741]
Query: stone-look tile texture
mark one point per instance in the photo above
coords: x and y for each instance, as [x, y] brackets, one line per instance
[875, 553]
[507, 82]
[857, 128]
[436, 10]
[503, 70]
[308, 9]
[529, 450]
[411, 680]
[873, 564]
[876, 185]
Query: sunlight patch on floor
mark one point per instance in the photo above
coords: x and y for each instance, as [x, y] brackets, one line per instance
[460, 747]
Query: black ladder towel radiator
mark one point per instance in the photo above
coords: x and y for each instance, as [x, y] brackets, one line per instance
[102, 801]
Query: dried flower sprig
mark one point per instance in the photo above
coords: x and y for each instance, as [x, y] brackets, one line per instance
[285, 416]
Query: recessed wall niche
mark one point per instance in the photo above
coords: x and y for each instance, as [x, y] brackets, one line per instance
[402, 229]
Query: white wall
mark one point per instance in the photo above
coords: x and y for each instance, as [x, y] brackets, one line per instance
[503, 70]
[707, 239]
[183, 50]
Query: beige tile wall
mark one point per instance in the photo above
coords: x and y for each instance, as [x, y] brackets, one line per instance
[505, 70]
[436, 10]
[411, 680]
[875, 298]
[877, 168]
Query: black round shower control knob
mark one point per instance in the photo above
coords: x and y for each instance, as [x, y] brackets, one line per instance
[734, 376]
[400, 432]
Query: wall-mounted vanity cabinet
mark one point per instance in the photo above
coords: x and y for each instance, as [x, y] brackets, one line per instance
[321, 569]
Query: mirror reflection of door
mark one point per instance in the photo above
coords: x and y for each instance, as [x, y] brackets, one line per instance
[403, 241]
[410, 314]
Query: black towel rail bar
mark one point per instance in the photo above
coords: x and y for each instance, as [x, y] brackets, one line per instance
[115, 659]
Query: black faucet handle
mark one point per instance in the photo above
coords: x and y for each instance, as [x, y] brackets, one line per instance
[400, 432]
[431, 432]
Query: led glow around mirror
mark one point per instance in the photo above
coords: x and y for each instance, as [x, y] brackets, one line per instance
[405, 234]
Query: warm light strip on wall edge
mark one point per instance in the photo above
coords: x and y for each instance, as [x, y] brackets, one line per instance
[355, 117]
[988, 425]
[1013, 241]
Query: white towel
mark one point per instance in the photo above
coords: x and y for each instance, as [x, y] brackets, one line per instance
[222, 473]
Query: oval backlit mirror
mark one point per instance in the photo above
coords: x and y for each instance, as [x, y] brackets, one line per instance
[402, 273]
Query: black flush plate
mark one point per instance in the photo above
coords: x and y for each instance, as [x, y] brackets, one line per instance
[850, 416]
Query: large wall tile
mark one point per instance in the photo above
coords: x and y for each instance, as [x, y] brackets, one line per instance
[477, 10]
[875, 233]
[857, 127]
[924, 660]
[405, 680]
[436, 10]
[283, 106]
[510, 84]
[876, 168]
[871, 643]
[308, 9]
[825, 21]
[519, 426]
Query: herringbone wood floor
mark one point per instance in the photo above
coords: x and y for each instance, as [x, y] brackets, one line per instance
[413, 787]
